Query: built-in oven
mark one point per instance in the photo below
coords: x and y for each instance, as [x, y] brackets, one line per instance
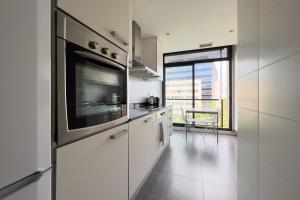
[91, 81]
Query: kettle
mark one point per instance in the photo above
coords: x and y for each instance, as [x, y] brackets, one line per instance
[151, 100]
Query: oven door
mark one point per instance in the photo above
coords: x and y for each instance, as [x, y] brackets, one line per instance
[92, 92]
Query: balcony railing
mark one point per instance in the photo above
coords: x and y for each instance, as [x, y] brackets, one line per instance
[220, 105]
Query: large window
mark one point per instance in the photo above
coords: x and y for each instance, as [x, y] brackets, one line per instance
[199, 79]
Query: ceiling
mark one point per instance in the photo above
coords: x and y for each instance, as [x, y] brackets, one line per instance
[189, 22]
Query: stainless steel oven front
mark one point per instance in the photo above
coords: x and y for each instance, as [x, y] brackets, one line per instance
[91, 81]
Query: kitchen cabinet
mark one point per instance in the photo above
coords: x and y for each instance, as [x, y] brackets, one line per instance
[140, 153]
[103, 16]
[169, 121]
[152, 54]
[95, 167]
[146, 146]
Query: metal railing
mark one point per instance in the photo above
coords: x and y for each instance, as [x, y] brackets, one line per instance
[219, 107]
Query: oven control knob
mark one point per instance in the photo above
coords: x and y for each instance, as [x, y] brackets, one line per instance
[93, 44]
[105, 50]
[115, 55]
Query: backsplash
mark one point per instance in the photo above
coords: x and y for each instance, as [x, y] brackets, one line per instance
[139, 89]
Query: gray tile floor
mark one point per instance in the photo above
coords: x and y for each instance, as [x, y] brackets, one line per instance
[194, 169]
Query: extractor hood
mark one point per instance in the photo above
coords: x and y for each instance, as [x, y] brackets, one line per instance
[138, 69]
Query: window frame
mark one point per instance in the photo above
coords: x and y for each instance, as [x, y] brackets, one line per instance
[229, 58]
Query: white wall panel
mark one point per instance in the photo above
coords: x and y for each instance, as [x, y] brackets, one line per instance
[279, 90]
[248, 91]
[247, 37]
[248, 155]
[279, 30]
[279, 158]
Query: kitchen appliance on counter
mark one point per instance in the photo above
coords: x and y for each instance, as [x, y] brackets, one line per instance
[91, 81]
[152, 100]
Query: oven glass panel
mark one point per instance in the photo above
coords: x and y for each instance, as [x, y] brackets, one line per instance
[96, 92]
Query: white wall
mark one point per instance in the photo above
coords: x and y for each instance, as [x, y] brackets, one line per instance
[269, 96]
[139, 89]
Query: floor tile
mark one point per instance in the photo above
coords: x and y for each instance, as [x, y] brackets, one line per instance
[219, 176]
[195, 168]
[184, 188]
[217, 192]
[188, 170]
[165, 164]
[157, 182]
[144, 195]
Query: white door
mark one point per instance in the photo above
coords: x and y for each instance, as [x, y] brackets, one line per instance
[25, 88]
[38, 190]
[95, 167]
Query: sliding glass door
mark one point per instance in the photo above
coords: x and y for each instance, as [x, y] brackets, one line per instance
[203, 84]
[179, 92]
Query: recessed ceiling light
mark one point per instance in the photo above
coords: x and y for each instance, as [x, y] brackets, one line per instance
[168, 34]
[231, 31]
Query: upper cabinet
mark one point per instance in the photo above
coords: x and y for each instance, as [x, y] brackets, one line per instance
[152, 51]
[110, 18]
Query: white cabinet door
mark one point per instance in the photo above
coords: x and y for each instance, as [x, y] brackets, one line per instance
[160, 58]
[94, 168]
[153, 54]
[140, 161]
[169, 121]
[156, 144]
[103, 16]
[25, 79]
[38, 190]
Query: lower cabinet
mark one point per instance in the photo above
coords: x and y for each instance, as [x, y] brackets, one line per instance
[141, 136]
[95, 167]
[169, 120]
[148, 136]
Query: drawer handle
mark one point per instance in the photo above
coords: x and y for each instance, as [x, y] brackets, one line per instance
[162, 113]
[119, 37]
[147, 120]
[119, 134]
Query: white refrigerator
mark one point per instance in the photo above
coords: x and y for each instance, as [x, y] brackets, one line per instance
[25, 100]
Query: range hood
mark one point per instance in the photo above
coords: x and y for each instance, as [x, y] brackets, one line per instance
[138, 69]
[143, 72]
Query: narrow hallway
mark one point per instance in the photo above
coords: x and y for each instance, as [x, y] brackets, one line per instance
[194, 169]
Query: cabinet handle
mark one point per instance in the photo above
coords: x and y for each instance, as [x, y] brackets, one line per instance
[119, 134]
[170, 118]
[119, 37]
[162, 113]
[162, 134]
[147, 120]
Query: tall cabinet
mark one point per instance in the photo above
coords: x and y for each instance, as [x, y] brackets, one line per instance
[269, 111]
[111, 18]
[247, 84]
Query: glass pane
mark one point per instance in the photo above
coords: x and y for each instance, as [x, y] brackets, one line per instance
[212, 90]
[206, 55]
[98, 91]
[179, 90]
[178, 107]
[179, 82]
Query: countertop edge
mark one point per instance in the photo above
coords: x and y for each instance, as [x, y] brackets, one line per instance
[148, 113]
